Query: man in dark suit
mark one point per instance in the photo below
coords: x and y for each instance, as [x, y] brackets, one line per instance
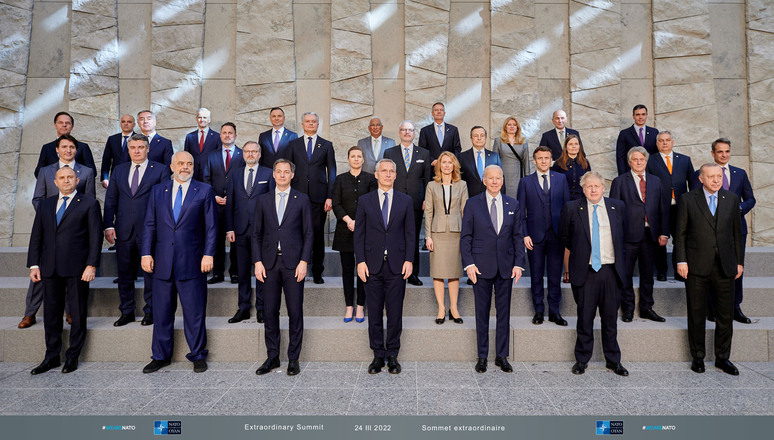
[647, 212]
[160, 147]
[247, 183]
[374, 146]
[63, 124]
[735, 180]
[282, 247]
[542, 196]
[676, 173]
[592, 228]
[638, 135]
[217, 174]
[275, 141]
[554, 139]
[492, 249]
[115, 149]
[64, 250]
[439, 136]
[126, 203]
[315, 162]
[475, 159]
[710, 255]
[178, 245]
[383, 237]
[412, 176]
[201, 142]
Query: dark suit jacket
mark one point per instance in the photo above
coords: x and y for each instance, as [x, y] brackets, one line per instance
[126, 212]
[48, 156]
[240, 208]
[346, 192]
[369, 161]
[372, 238]
[628, 138]
[627, 189]
[739, 185]
[67, 249]
[191, 145]
[215, 173]
[315, 176]
[414, 181]
[45, 187]
[266, 141]
[470, 173]
[429, 140]
[551, 139]
[575, 233]
[161, 150]
[533, 204]
[113, 155]
[178, 248]
[492, 252]
[679, 180]
[294, 234]
[699, 237]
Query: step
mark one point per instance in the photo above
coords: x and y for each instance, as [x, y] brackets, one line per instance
[328, 299]
[330, 339]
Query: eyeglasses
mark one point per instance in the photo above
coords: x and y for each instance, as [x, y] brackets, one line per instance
[406, 130]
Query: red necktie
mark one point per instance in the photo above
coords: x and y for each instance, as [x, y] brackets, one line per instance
[228, 159]
[201, 141]
[643, 191]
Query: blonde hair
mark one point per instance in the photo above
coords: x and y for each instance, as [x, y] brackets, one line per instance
[504, 134]
[455, 172]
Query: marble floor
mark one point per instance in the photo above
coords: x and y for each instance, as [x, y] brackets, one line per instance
[341, 388]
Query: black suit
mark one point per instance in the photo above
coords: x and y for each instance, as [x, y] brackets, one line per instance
[551, 140]
[48, 156]
[712, 247]
[216, 175]
[413, 182]
[428, 139]
[629, 138]
[160, 150]
[114, 154]
[62, 252]
[266, 141]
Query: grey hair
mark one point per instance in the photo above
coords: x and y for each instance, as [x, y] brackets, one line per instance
[640, 150]
[591, 175]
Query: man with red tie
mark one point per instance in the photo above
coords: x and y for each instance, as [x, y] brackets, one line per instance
[201, 142]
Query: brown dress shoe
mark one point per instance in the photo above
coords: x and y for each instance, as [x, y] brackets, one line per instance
[69, 319]
[27, 321]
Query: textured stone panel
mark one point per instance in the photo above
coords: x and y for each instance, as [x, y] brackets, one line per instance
[692, 126]
[420, 14]
[312, 47]
[601, 29]
[682, 37]
[95, 62]
[264, 19]
[606, 99]
[728, 40]
[9, 139]
[732, 109]
[349, 44]
[176, 12]
[263, 61]
[426, 47]
[469, 40]
[587, 117]
[421, 79]
[668, 10]
[133, 95]
[467, 104]
[761, 106]
[100, 7]
[219, 54]
[684, 96]
[49, 51]
[343, 111]
[760, 142]
[176, 38]
[12, 98]
[343, 68]
[98, 106]
[265, 96]
[636, 48]
[314, 95]
[595, 69]
[389, 102]
[760, 55]
[521, 7]
[422, 96]
[518, 96]
[683, 70]
[512, 30]
[637, 91]
[388, 41]
[134, 38]
[760, 15]
[508, 64]
[358, 89]
[554, 95]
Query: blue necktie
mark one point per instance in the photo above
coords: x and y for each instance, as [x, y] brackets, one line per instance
[596, 251]
[712, 205]
[309, 149]
[178, 203]
[60, 213]
[480, 165]
[123, 146]
[385, 209]
[439, 133]
[281, 208]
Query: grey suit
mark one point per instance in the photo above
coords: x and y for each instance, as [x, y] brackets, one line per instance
[45, 187]
[369, 161]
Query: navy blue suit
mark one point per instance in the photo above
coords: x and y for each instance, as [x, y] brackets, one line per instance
[177, 249]
[114, 154]
[294, 236]
[126, 213]
[470, 173]
[551, 140]
[62, 252]
[641, 240]
[495, 254]
[191, 145]
[384, 250]
[629, 138]
[428, 139]
[240, 213]
[266, 141]
[160, 150]
[541, 223]
[217, 176]
[592, 289]
[48, 156]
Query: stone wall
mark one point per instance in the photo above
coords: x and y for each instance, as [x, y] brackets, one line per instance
[704, 68]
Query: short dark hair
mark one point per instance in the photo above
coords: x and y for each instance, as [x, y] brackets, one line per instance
[229, 124]
[72, 121]
[283, 160]
[138, 137]
[67, 137]
[476, 127]
[638, 107]
[542, 148]
[723, 140]
[276, 108]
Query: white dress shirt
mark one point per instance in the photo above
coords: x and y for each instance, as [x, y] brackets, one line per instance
[540, 178]
[70, 164]
[141, 170]
[605, 235]
[175, 186]
[255, 174]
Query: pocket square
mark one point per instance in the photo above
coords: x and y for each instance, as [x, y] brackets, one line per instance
[420, 161]
[263, 181]
[511, 212]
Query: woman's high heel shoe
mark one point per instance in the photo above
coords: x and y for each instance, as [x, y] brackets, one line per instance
[441, 320]
[456, 320]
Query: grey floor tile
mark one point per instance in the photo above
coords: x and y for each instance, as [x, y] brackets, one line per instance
[333, 379]
[438, 379]
[160, 380]
[560, 366]
[658, 366]
[565, 379]
[112, 366]
[518, 401]
[450, 402]
[449, 366]
[50, 401]
[495, 378]
[757, 366]
[746, 379]
[728, 401]
[406, 379]
[232, 366]
[652, 402]
[11, 398]
[684, 379]
[316, 402]
[249, 402]
[589, 401]
[87, 379]
[635, 379]
[383, 401]
[115, 402]
[223, 379]
[334, 366]
[24, 379]
[275, 379]
[17, 366]
[183, 402]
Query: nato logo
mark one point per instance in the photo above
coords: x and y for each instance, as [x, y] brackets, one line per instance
[607, 427]
[167, 427]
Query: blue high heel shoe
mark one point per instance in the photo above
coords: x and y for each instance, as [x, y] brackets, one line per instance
[360, 319]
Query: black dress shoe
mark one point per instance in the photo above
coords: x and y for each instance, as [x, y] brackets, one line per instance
[259, 317]
[155, 365]
[617, 368]
[70, 365]
[147, 319]
[504, 364]
[45, 366]
[557, 319]
[679, 278]
[650, 314]
[240, 316]
[481, 365]
[727, 367]
[537, 319]
[579, 368]
[393, 367]
[697, 365]
[234, 279]
[216, 279]
[268, 365]
[124, 319]
[661, 277]
[740, 318]
[318, 280]
[376, 366]
[414, 280]
[452, 318]
[293, 367]
[711, 316]
[200, 366]
[115, 280]
[627, 316]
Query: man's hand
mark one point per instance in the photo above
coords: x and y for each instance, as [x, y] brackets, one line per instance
[147, 264]
[429, 244]
[206, 263]
[260, 271]
[662, 240]
[110, 236]
[472, 272]
[35, 275]
[528, 242]
[362, 271]
[220, 200]
[328, 204]
[682, 270]
[739, 270]
[230, 236]
[301, 271]
[408, 267]
[432, 164]
[89, 273]
[105, 183]
[516, 274]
